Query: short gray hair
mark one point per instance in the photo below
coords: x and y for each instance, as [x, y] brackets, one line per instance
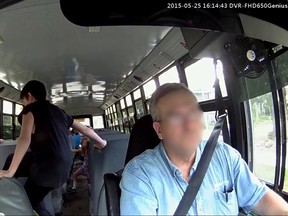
[164, 90]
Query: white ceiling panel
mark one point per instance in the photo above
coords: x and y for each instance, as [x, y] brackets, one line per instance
[40, 43]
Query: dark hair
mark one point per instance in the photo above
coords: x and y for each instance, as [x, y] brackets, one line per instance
[36, 88]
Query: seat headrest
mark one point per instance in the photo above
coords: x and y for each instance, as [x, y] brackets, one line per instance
[142, 137]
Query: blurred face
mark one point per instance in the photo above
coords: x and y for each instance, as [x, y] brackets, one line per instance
[28, 99]
[180, 125]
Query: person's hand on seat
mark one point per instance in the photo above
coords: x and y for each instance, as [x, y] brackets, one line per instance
[5, 173]
[101, 145]
[1, 141]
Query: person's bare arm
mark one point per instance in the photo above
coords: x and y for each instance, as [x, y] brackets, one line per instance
[271, 204]
[22, 146]
[76, 150]
[99, 142]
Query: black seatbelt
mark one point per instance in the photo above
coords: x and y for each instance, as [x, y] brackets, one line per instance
[196, 180]
[220, 106]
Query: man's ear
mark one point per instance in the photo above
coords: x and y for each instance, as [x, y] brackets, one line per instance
[157, 128]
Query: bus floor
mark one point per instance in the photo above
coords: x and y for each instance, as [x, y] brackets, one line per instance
[77, 203]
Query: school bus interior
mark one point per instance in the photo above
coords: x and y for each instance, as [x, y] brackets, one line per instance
[102, 69]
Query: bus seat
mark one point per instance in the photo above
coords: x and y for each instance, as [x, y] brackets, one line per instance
[46, 205]
[107, 132]
[110, 159]
[108, 137]
[13, 198]
[112, 187]
[6, 148]
[142, 137]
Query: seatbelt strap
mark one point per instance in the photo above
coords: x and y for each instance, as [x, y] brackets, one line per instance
[220, 105]
[196, 180]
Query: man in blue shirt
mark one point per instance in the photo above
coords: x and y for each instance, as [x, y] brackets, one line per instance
[154, 182]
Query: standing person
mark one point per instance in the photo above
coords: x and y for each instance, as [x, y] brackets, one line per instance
[45, 130]
[83, 170]
[76, 139]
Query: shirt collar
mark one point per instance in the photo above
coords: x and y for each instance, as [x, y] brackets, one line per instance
[174, 169]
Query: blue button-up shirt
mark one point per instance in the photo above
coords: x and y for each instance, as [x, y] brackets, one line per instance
[153, 185]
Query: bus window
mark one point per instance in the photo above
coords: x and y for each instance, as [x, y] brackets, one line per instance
[7, 127]
[112, 118]
[139, 108]
[131, 116]
[119, 115]
[7, 107]
[125, 121]
[128, 100]
[138, 103]
[149, 88]
[122, 103]
[110, 110]
[209, 123]
[115, 120]
[169, 76]
[264, 140]
[109, 121]
[137, 94]
[121, 126]
[17, 128]
[148, 105]
[201, 77]
[18, 109]
[130, 110]
[98, 122]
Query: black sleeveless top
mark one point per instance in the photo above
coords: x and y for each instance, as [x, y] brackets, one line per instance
[50, 144]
